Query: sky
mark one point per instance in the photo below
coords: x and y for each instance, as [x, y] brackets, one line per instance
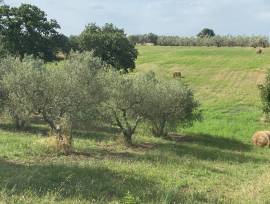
[163, 17]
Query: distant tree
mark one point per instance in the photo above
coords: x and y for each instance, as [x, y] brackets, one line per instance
[110, 44]
[134, 39]
[145, 38]
[61, 43]
[74, 42]
[206, 32]
[153, 38]
[27, 31]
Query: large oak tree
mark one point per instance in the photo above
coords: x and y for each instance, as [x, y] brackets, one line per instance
[26, 30]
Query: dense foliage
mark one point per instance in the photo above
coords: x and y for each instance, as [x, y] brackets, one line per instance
[109, 43]
[206, 32]
[19, 83]
[135, 98]
[60, 95]
[25, 30]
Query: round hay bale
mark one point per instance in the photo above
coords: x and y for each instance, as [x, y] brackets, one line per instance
[261, 138]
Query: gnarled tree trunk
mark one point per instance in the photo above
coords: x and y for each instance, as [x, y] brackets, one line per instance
[159, 129]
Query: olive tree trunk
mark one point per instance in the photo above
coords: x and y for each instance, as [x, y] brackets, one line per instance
[159, 129]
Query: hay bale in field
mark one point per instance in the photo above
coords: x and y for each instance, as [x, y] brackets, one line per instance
[261, 138]
[177, 74]
[259, 51]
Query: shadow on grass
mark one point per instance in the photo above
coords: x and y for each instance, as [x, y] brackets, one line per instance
[97, 134]
[173, 153]
[202, 147]
[70, 181]
[213, 141]
[202, 152]
[34, 129]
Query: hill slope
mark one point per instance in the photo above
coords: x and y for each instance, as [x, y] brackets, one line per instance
[224, 80]
[217, 165]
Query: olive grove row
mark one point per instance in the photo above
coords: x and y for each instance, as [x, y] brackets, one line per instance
[84, 88]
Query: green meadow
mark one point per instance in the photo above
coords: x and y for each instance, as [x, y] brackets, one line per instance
[214, 163]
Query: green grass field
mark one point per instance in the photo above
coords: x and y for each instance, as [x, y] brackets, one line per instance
[217, 165]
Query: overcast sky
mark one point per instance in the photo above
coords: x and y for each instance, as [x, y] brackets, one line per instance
[170, 17]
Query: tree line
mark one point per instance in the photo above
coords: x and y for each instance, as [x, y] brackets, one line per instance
[206, 37]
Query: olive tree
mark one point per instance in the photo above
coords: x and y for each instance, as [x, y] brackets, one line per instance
[60, 94]
[122, 102]
[166, 104]
[70, 90]
[19, 82]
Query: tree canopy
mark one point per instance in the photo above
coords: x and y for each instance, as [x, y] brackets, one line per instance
[26, 30]
[206, 32]
[110, 44]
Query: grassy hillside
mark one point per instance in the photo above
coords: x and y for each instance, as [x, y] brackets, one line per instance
[224, 80]
[216, 164]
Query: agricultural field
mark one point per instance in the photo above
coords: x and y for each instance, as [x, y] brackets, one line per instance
[214, 163]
